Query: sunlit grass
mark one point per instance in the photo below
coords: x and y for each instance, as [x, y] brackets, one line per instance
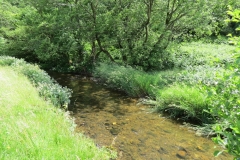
[183, 101]
[34, 129]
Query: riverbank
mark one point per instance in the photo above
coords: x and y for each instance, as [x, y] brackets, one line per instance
[33, 128]
[181, 92]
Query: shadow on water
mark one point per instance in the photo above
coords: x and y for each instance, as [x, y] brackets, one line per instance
[113, 119]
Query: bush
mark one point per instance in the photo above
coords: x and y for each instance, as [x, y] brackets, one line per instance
[225, 101]
[225, 104]
[48, 88]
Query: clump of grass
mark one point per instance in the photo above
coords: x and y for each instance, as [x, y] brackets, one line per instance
[32, 128]
[186, 102]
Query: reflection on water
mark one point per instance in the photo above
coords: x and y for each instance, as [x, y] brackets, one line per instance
[115, 120]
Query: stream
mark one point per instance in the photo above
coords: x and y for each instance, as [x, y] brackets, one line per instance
[114, 120]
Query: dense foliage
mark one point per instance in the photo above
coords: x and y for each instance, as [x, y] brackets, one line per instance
[225, 100]
[72, 35]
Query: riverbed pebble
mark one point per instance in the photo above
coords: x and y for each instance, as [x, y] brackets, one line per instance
[181, 154]
[114, 131]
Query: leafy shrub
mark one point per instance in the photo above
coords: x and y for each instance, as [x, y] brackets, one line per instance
[7, 61]
[57, 95]
[225, 101]
[116, 77]
[47, 87]
[225, 104]
[206, 75]
[34, 74]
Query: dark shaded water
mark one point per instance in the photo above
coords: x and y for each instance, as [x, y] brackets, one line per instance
[112, 119]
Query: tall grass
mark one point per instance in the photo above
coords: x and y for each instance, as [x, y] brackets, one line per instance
[133, 82]
[186, 102]
[32, 128]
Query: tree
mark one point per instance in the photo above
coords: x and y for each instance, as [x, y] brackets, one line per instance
[138, 32]
[77, 33]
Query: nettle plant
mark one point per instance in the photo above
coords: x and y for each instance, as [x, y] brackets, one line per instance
[225, 98]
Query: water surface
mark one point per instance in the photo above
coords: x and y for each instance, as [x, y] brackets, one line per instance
[114, 120]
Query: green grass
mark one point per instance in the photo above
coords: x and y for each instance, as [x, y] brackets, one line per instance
[186, 102]
[134, 82]
[34, 129]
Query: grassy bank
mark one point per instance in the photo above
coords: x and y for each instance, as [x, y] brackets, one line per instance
[47, 87]
[181, 91]
[33, 128]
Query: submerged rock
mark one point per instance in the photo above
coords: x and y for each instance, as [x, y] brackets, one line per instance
[107, 124]
[181, 154]
[161, 150]
[114, 131]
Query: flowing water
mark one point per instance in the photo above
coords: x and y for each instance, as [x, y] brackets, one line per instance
[114, 120]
